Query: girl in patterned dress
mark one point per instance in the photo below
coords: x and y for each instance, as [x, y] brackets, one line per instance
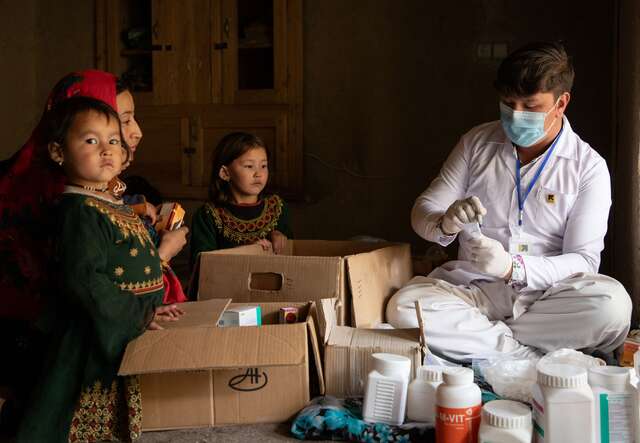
[109, 289]
[239, 212]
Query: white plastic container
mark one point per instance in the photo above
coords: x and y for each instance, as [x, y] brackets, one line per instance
[563, 409]
[505, 421]
[458, 406]
[421, 399]
[614, 403]
[385, 393]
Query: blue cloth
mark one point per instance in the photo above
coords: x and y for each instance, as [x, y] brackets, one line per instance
[329, 418]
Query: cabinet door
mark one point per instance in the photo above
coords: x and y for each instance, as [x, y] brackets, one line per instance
[255, 59]
[167, 156]
[182, 68]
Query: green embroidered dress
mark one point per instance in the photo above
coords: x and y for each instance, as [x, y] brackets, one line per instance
[234, 225]
[110, 284]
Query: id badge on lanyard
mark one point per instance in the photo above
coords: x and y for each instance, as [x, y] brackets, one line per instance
[520, 243]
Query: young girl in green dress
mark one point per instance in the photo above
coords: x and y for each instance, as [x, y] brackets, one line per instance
[110, 286]
[239, 212]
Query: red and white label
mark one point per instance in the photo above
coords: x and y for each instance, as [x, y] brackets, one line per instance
[457, 425]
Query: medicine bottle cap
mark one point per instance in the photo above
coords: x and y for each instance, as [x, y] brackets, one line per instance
[430, 373]
[457, 376]
[506, 414]
[391, 365]
[609, 376]
[557, 375]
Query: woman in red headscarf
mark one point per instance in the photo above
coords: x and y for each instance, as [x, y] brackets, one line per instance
[28, 189]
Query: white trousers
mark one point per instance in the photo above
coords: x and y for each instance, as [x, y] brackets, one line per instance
[489, 319]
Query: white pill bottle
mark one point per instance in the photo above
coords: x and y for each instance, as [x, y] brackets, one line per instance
[385, 393]
[563, 409]
[421, 399]
[458, 407]
[505, 421]
[614, 403]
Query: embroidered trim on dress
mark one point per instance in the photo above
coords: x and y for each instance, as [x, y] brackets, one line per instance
[124, 218]
[247, 231]
[143, 287]
[108, 413]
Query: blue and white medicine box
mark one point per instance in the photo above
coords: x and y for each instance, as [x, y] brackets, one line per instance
[244, 316]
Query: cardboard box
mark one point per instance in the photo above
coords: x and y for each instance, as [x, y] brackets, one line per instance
[347, 350]
[195, 374]
[307, 270]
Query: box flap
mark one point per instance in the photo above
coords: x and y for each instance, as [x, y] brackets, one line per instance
[201, 346]
[373, 278]
[327, 317]
[315, 348]
[239, 250]
[205, 313]
[389, 340]
[331, 248]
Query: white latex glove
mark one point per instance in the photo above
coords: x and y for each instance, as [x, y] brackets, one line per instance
[489, 256]
[461, 212]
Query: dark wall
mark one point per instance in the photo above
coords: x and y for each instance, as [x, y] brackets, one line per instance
[40, 41]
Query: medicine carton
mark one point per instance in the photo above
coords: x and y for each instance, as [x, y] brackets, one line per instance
[244, 316]
[630, 346]
[171, 216]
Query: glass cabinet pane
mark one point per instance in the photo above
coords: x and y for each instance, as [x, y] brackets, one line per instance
[255, 44]
[136, 44]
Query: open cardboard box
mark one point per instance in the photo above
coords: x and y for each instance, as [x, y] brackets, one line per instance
[195, 374]
[307, 270]
[347, 350]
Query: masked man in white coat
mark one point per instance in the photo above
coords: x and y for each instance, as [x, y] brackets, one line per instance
[528, 201]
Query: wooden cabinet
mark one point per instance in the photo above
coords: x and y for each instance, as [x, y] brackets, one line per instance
[201, 69]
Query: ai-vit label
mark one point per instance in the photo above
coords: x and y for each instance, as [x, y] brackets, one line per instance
[457, 425]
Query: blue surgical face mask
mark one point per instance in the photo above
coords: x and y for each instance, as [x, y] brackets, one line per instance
[524, 128]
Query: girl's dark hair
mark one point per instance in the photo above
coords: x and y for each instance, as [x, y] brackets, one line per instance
[231, 147]
[62, 115]
[535, 67]
[123, 83]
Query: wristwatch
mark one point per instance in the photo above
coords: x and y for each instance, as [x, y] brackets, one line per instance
[439, 227]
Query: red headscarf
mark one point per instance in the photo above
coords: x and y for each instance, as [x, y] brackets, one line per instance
[28, 187]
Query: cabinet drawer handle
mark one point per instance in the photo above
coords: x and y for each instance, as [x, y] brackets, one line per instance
[155, 29]
[222, 45]
[189, 151]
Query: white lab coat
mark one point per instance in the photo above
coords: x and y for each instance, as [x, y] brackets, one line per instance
[565, 303]
[565, 216]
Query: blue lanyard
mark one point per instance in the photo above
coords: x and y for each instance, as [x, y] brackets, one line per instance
[521, 198]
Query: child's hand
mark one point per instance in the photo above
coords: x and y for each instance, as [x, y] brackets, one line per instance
[172, 242]
[165, 313]
[266, 244]
[151, 212]
[279, 241]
